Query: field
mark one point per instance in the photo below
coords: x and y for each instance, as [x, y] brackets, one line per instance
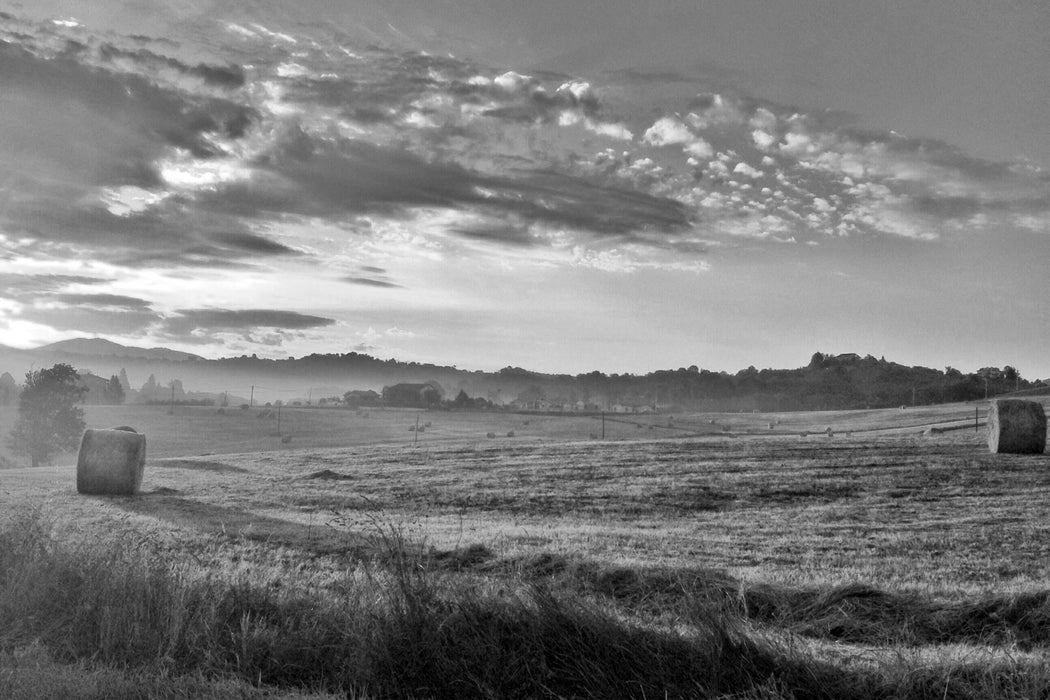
[872, 562]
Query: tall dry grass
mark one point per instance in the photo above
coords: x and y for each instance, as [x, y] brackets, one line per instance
[406, 626]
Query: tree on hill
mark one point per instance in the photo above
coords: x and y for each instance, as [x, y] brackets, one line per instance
[49, 421]
[8, 389]
[115, 391]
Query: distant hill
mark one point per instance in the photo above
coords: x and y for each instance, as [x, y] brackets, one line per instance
[98, 347]
[826, 382]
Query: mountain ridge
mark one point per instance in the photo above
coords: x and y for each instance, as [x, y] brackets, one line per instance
[100, 347]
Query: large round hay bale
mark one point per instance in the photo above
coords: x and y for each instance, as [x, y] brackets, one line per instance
[1016, 426]
[111, 462]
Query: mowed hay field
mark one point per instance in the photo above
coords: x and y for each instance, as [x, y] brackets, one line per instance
[202, 430]
[669, 560]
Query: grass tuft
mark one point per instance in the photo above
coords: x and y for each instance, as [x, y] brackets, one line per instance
[120, 615]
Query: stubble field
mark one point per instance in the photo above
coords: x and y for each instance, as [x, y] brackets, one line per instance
[878, 553]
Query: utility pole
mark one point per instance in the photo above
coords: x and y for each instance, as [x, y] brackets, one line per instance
[975, 419]
[415, 440]
[251, 400]
[171, 408]
[278, 421]
[603, 425]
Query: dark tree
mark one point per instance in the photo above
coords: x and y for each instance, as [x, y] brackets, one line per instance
[49, 421]
[8, 389]
[115, 391]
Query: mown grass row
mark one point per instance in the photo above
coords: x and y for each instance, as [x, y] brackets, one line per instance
[402, 629]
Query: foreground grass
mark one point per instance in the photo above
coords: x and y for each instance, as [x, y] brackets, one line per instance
[118, 619]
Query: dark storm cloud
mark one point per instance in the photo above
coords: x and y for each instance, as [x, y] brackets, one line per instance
[960, 207]
[503, 234]
[222, 76]
[534, 103]
[382, 83]
[371, 282]
[69, 123]
[19, 286]
[333, 178]
[227, 320]
[103, 300]
[90, 319]
[251, 243]
[172, 233]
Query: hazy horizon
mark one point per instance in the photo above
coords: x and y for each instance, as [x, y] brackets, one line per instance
[562, 187]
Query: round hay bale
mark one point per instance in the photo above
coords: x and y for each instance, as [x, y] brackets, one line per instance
[510, 433]
[111, 462]
[490, 435]
[1016, 426]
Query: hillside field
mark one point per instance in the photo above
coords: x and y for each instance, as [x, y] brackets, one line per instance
[875, 555]
[203, 430]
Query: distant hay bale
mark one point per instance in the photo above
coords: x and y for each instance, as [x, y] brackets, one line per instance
[771, 425]
[1016, 426]
[829, 432]
[930, 432]
[490, 435]
[510, 433]
[286, 439]
[111, 462]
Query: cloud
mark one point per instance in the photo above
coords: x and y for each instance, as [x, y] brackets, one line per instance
[22, 286]
[667, 131]
[170, 233]
[506, 234]
[117, 301]
[229, 76]
[70, 124]
[266, 326]
[715, 111]
[333, 177]
[372, 282]
[743, 168]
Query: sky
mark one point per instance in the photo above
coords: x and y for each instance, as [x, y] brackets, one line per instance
[560, 186]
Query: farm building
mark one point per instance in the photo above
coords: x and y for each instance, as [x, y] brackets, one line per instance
[358, 397]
